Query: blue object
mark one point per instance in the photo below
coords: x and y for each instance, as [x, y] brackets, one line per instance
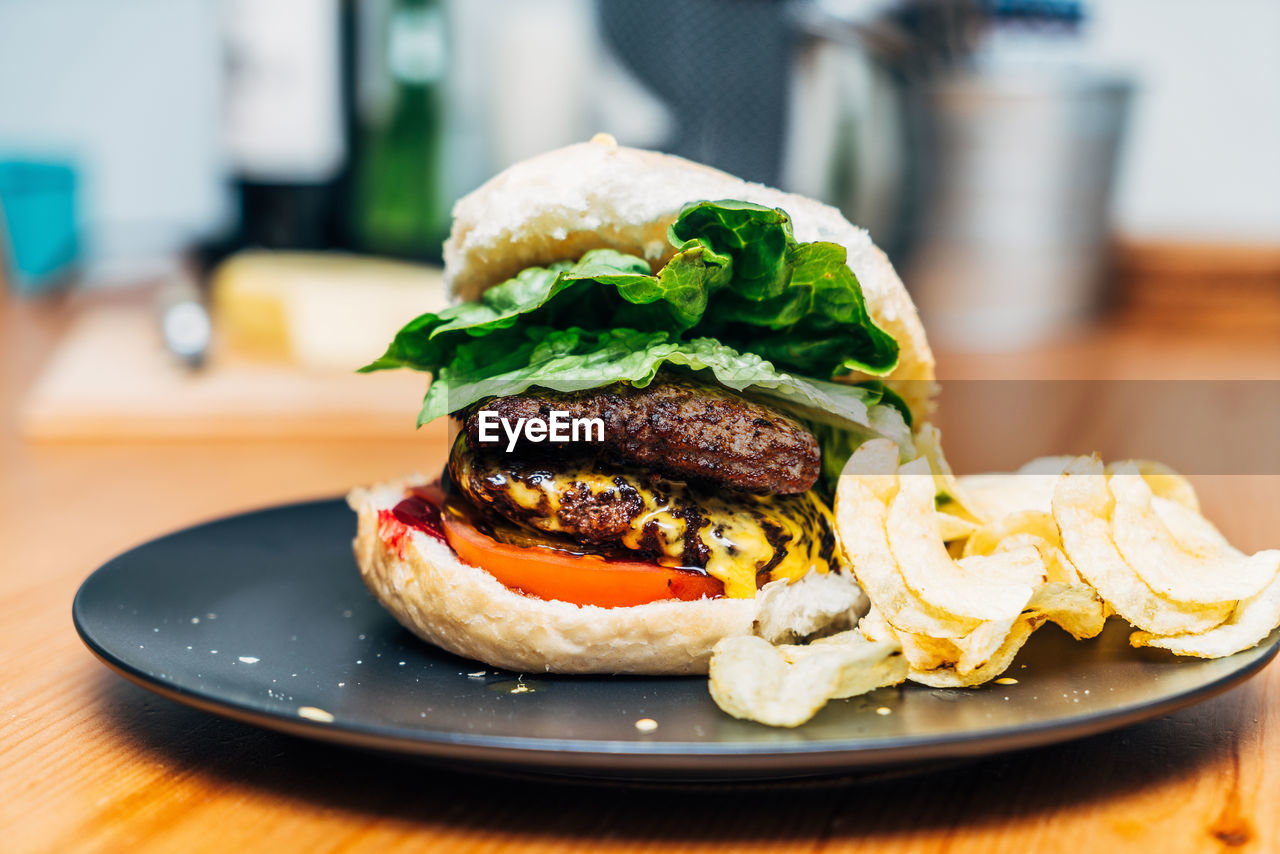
[38, 234]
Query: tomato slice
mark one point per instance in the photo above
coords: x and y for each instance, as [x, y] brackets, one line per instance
[580, 579]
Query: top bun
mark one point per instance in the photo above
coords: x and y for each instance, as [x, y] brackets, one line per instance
[598, 194]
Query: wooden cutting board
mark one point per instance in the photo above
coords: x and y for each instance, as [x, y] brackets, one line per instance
[111, 378]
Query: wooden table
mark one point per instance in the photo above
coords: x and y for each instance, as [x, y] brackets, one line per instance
[90, 762]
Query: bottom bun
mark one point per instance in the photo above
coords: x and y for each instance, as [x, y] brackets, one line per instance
[468, 612]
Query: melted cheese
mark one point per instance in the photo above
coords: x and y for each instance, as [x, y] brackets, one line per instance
[733, 529]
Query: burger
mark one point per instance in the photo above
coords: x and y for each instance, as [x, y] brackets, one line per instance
[654, 372]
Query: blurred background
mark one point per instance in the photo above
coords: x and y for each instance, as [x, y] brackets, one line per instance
[229, 204]
[213, 211]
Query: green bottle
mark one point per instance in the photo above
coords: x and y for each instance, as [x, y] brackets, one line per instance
[399, 207]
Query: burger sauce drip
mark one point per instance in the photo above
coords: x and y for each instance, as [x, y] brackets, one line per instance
[420, 512]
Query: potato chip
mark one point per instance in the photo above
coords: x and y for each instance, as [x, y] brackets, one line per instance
[752, 680]
[951, 526]
[1011, 564]
[874, 627]
[1058, 567]
[1193, 532]
[1065, 598]
[1035, 522]
[922, 652]
[1053, 466]
[979, 646]
[787, 685]
[860, 519]
[1251, 622]
[1081, 507]
[958, 503]
[1164, 481]
[999, 495]
[874, 464]
[866, 666]
[975, 649]
[961, 572]
[1029, 527]
[860, 525]
[1073, 607]
[964, 654]
[983, 589]
[997, 663]
[1029, 488]
[1210, 571]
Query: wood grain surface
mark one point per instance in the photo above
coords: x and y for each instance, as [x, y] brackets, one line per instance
[89, 762]
[111, 378]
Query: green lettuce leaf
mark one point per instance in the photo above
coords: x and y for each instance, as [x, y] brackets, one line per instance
[757, 238]
[891, 398]
[740, 302]
[539, 296]
[820, 323]
[739, 276]
[804, 294]
[577, 359]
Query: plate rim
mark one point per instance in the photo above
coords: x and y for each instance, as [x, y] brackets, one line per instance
[666, 758]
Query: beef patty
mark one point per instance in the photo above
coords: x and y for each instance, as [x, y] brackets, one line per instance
[734, 536]
[678, 427]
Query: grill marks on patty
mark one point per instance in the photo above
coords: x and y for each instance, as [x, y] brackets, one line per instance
[594, 517]
[593, 504]
[610, 509]
[680, 428]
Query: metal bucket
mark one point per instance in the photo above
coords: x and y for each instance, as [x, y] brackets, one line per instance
[1012, 208]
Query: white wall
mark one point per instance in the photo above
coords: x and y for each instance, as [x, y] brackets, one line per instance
[130, 91]
[1202, 161]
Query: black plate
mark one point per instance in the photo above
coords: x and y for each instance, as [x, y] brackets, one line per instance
[263, 618]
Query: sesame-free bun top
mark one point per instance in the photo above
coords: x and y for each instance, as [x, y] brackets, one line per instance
[599, 194]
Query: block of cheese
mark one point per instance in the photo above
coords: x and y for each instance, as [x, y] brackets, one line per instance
[322, 311]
